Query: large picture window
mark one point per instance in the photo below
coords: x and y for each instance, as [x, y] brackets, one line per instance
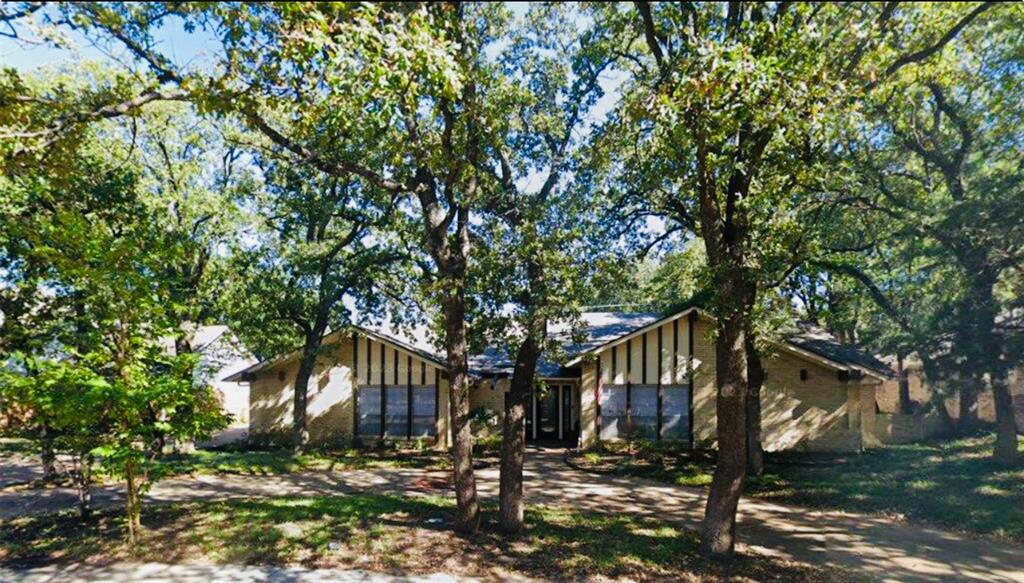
[637, 405]
[644, 403]
[424, 409]
[368, 403]
[613, 411]
[396, 412]
[393, 408]
[675, 413]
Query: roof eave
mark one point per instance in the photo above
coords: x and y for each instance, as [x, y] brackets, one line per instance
[576, 360]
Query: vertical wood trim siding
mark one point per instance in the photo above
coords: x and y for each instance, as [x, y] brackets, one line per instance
[660, 348]
[689, 367]
[355, 385]
[383, 393]
[597, 399]
[629, 387]
[643, 356]
[675, 351]
[408, 399]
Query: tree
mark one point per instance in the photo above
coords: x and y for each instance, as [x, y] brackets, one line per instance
[728, 108]
[100, 252]
[940, 164]
[537, 237]
[314, 248]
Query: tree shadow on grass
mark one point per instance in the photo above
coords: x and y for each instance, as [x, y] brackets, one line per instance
[386, 533]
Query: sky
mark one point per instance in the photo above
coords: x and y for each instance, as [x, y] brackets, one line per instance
[197, 49]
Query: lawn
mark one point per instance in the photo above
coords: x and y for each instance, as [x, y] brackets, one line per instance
[390, 534]
[952, 484]
[279, 461]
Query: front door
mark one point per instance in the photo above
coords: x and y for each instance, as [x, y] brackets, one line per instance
[548, 405]
[550, 416]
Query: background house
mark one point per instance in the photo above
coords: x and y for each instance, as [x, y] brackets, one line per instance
[222, 355]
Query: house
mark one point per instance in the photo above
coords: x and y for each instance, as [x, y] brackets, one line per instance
[921, 394]
[221, 355]
[641, 375]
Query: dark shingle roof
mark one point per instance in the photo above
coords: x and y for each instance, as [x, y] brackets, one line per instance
[599, 328]
[813, 339]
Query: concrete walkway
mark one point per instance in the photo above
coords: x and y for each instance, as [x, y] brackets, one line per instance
[159, 573]
[872, 547]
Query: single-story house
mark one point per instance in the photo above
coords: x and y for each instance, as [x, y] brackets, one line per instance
[637, 375]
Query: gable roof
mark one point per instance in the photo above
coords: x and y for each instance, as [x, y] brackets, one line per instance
[601, 330]
[816, 340]
[807, 341]
[415, 344]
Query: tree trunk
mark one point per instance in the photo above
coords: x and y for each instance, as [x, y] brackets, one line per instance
[83, 483]
[1006, 424]
[937, 398]
[967, 421]
[906, 406]
[47, 455]
[718, 531]
[513, 439]
[755, 379]
[133, 508]
[300, 423]
[467, 516]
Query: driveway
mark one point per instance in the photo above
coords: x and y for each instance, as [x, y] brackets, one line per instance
[871, 546]
[159, 573]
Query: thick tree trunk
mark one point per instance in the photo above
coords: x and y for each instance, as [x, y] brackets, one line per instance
[1006, 424]
[937, 398]
[307, 364]
[755, 380]
[300, 424]
[467, 516]
[906, 405]
[967, 421]
[513, 440]
[718, 531]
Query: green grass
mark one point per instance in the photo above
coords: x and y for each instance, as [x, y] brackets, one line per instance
[951, 484]
[388, 533]
[284, 461]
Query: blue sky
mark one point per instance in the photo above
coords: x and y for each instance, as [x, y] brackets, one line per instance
[187, 49]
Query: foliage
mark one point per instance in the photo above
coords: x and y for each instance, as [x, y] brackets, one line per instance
[91, 241]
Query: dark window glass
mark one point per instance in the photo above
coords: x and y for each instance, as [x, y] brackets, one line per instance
[369, 411]
[675, 412]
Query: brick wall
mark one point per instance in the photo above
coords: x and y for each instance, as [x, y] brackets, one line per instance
[920, 392]
[330, 406]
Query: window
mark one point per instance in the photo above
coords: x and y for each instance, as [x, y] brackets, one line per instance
[397, 423]
[396, 415]
[424, 405]
[644, 402]
[675, 412]
[369, 403]
[613, 411]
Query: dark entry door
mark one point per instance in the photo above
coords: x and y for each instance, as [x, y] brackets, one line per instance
[547, 412]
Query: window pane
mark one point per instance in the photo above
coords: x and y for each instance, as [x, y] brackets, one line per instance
[644, 402]
[369, 411]
[397, 412]
[613, 411]
[675, 413]
[423, 405]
